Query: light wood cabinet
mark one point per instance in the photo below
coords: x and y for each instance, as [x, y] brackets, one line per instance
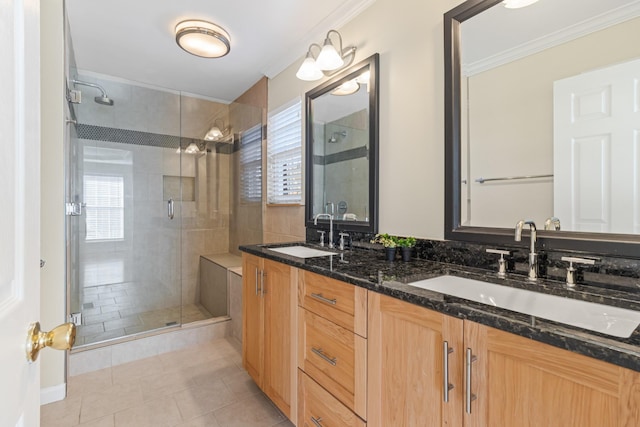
[332, 350]
[269, 333]
[406, 365]
[513, 381]
[319, 407]
[518, 381]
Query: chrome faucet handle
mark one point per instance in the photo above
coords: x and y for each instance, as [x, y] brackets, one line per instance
[502, 263]
[321, 232]
[571, 270]
[342, 236]
[552, 223]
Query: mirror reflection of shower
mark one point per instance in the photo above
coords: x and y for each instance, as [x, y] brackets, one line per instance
[337, 136]
[103, 99]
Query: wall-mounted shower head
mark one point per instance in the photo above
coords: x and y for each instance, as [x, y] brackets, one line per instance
[104, 99]
[337, 136]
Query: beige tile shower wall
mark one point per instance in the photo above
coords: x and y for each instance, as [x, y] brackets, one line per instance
[246, 219]
[205, 228]
[205, 220]
[139, 108]
[347, 180]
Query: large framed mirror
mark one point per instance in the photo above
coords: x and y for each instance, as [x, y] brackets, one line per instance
[542, 122]
[341, 172]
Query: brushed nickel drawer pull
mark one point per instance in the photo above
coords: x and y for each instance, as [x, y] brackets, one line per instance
[319, 297]
[447, 386]
[469, 397]
[327, 359]
[256, 282]
[316, 421]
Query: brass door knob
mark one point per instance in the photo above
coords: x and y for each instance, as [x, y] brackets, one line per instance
[61, 338]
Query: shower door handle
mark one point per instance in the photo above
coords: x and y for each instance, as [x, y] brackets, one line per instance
[170, 208]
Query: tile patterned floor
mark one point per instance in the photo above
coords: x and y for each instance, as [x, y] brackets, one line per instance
[196, 387]
[119, 309]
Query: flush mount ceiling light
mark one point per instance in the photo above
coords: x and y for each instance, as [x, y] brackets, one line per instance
[329, 60]
[202, 38]
[517, 4]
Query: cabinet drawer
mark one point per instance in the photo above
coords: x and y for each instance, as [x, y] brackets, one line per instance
[340, 302]
[317, 404]
[335, 358]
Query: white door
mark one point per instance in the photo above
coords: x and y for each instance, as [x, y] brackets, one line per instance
[597, 150]
[20, 207]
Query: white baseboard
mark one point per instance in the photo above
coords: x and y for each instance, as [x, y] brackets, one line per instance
[53, 394]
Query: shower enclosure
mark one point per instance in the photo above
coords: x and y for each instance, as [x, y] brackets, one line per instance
[154, 180]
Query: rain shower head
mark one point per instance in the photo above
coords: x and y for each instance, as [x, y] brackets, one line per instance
[104, 99]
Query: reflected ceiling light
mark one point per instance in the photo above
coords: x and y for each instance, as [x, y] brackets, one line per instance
[329, 60]
[192, 149]
[214, 134]
[218, 131]
[364, 78]
[347, 88]
[517, 4]
[202, 38]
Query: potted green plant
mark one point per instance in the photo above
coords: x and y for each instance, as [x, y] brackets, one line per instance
[406, 245]
[389, 242]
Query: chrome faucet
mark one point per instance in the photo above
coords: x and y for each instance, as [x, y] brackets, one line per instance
[552, 223]
[533, 256]
[325, 215]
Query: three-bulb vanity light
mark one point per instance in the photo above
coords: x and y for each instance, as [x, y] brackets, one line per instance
[328, 61]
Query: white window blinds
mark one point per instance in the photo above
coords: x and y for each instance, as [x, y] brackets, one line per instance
[251, 164]
[104, 196]
[284, 154]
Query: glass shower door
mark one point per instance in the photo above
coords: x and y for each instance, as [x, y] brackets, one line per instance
[124, 180]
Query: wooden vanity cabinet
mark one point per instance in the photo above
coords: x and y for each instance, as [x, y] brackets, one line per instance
[405, 365]
[332, 352]
[514, 381]
[269, 331]
[522, 382]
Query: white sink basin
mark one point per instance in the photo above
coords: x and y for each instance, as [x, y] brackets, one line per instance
[301, 251]
[618, 322]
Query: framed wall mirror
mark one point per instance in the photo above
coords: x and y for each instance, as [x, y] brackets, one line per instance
[542, 123]
[341, 172]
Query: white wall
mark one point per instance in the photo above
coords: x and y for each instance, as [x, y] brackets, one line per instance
[408, 35]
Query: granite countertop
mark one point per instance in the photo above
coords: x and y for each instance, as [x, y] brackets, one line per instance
[370, 270]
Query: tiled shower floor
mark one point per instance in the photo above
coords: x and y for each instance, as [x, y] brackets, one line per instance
[115, 310]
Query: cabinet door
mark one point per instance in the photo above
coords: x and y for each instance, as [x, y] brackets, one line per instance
[252, 318]
[406, 365]
[522, 382]
[279, 301]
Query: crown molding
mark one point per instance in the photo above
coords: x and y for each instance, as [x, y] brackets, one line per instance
[597, 23]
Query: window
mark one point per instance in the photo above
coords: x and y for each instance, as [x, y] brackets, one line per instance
[104, 196]
[251, 164]
[284, 154]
